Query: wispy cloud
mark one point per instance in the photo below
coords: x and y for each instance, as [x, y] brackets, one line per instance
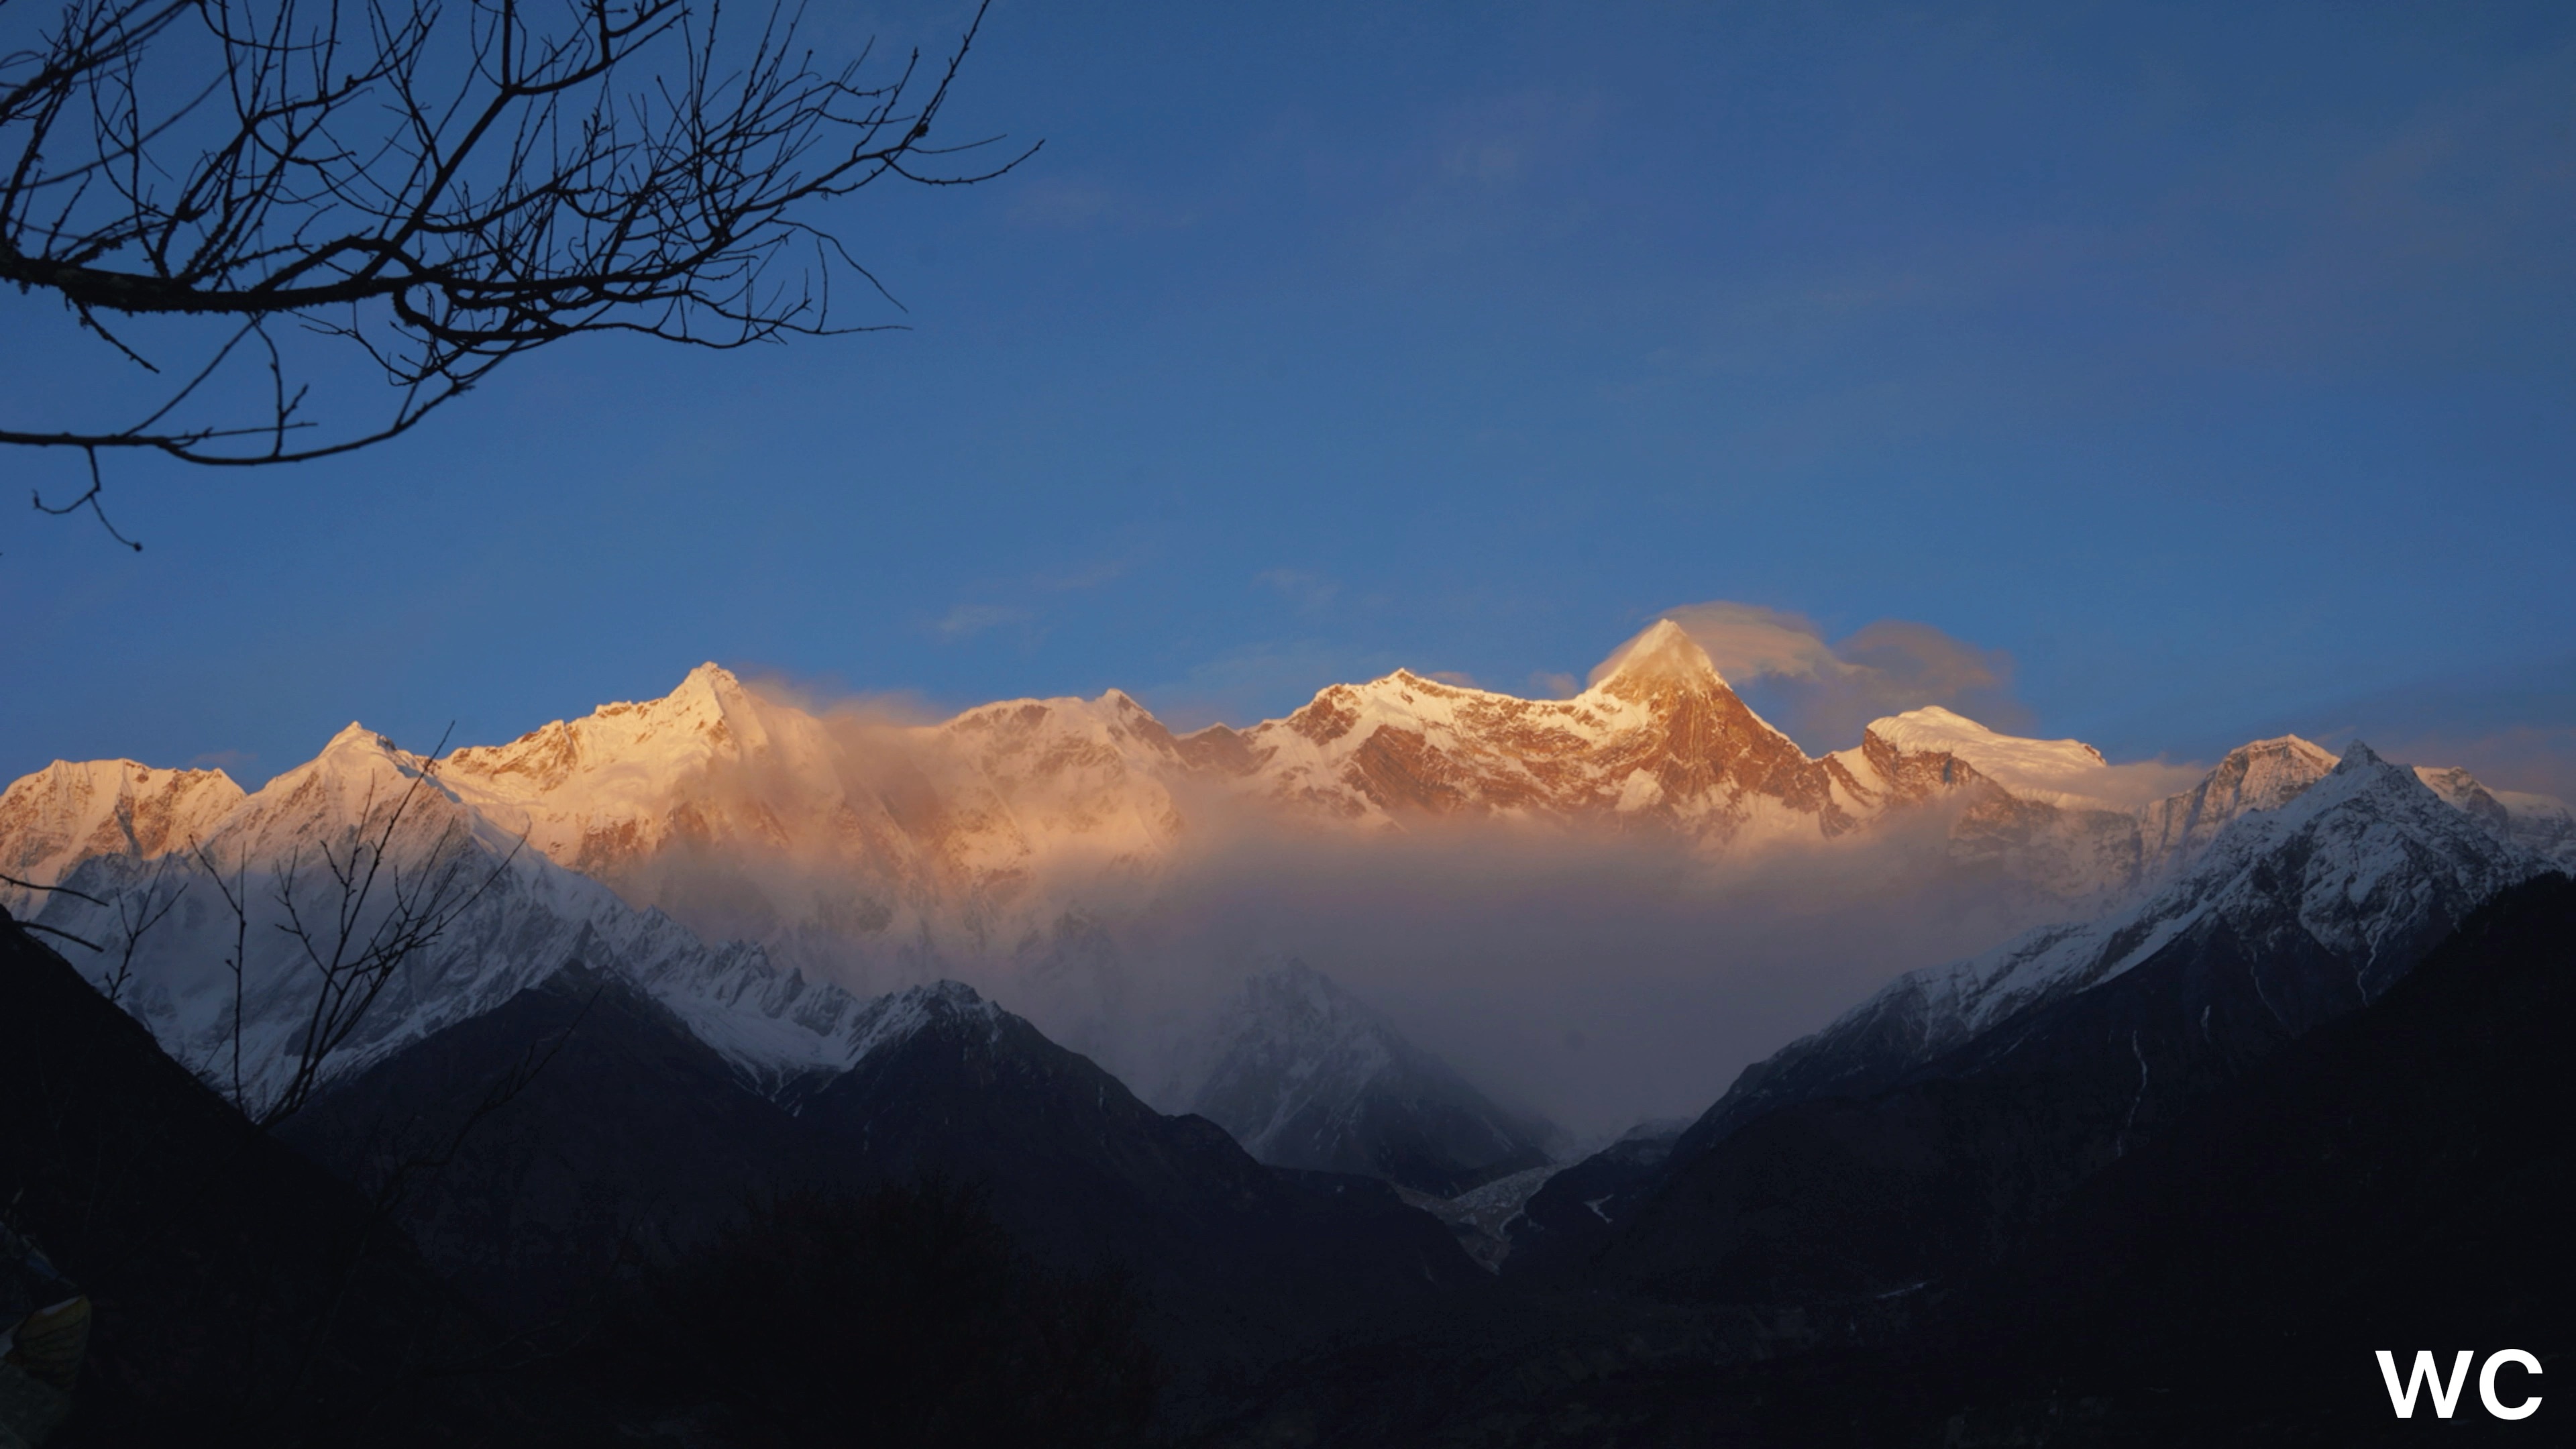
[968, 620]
[1083, 576]
[1824, 692]
[1311, 593]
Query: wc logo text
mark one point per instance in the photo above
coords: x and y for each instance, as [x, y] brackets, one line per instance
[2426, 1379]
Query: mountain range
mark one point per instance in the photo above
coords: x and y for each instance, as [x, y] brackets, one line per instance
[763, 870]
[602, 990]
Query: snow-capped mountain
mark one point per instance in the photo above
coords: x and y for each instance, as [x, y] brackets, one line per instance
[764, 869]
[835, 839]
[1658, 739]
[2537, 823]
[1307, 1075]
[2046, 817]
[2342, 887]
[67, 812]
[485, 919]
[1917, 1137]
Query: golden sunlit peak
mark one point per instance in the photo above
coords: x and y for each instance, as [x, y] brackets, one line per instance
[1665, 650]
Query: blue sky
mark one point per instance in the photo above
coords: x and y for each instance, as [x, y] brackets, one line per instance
[2213, 366]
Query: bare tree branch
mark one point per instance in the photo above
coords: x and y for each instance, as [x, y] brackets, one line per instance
[28, 885]
[434, 189]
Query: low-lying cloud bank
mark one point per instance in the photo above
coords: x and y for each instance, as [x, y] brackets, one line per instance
[1596, 978]
[1596, 975]
[1599, 977]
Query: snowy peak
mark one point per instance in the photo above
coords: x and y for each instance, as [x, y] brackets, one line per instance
[1659, 741]
[2542, 824]
[52, 820]
[1664, 655]
[359, 786]
[710, 764]
[2263, 775]
[619, 747]
[949, 1009]
[1306, 1075]
[2067, 767]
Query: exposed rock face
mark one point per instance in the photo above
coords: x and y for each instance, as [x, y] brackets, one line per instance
[1660, 740]
[54, 819]
[2264, 775]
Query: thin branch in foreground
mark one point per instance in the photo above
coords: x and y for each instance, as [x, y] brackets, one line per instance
[432, 189]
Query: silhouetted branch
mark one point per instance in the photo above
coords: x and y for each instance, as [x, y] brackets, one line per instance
[434, 189]
[28, 885]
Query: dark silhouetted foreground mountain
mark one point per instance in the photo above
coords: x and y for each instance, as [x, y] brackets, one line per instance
[2395, 1178]
[1916, 1137]
[240, 1293]
[900, 1316]
[2401, 1179]
[650, 1251]
[588, 1123]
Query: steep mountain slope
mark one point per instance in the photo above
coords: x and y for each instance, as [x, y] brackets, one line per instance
[1568, 1220]
[1917, 1138]
[240, 1291]
[582, 1117]
[1239, 1260]
[522, 1148]
[453, 914]
[2048, 822]
[1306, 1075]
[2395, 1179]
[1660, 739]
[2391, 1180]
[1025, 842]
[2366, 868]
[2540, 824]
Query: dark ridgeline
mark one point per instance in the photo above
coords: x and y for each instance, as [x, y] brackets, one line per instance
[975, 1232]
[2154, 1211]
[241, 1293]
[619, 1135]
[1856, 1163]
[2399, 1179]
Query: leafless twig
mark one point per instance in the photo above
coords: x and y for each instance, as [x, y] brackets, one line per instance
[430, 187]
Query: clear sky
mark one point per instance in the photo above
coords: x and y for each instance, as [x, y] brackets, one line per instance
[2213, 365]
